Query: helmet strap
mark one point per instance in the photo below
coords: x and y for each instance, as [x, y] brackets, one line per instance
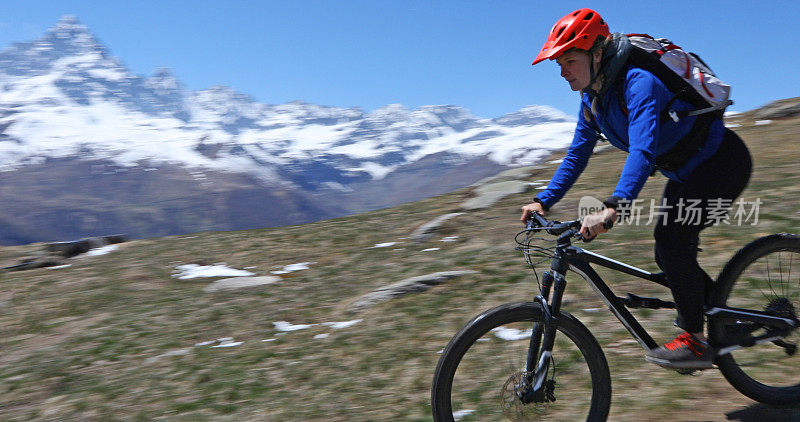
[592, 76]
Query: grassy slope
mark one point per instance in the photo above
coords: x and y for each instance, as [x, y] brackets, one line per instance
[77, 342]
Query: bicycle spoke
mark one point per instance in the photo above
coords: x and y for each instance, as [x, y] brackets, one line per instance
[767, 372]
[797, 291]
[769, 279]
[780, 288]
[757, 285]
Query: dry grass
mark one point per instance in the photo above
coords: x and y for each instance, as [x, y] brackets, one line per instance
[112, 337]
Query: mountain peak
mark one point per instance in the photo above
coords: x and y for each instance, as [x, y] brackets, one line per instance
[532, 115]
[67, 38]
[164, 81]
[69, 32]
[70, 21]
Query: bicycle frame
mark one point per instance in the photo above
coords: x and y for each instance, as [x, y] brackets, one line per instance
[568, 257]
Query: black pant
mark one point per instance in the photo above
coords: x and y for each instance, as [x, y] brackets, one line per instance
[724, 175]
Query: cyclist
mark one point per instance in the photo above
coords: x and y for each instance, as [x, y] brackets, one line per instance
[594, 62]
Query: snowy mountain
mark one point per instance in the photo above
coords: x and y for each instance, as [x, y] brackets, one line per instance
[65, 99]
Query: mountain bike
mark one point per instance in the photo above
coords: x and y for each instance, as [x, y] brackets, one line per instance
[532, 361]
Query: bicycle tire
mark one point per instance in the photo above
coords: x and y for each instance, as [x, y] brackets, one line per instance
[574, 334]
[742, 284]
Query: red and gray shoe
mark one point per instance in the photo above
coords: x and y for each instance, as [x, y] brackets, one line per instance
[685, 352]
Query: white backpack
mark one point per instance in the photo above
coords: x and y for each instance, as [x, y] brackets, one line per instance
[685, 74]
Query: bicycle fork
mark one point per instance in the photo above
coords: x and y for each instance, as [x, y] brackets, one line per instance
[543, 338]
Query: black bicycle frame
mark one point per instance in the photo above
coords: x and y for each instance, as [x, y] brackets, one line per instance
[568, 257]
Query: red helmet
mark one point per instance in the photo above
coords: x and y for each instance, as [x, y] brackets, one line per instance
[578, 29]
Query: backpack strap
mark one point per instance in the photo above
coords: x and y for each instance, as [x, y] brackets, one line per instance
[619, 86]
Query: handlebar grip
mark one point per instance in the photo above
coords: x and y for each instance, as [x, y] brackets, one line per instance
[541, 221]
[608, 224]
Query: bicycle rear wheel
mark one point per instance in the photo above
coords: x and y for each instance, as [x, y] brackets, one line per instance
[762, 276]
[483, 368]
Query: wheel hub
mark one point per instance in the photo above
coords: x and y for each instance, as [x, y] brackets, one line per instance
[781, 307]
[517, 402]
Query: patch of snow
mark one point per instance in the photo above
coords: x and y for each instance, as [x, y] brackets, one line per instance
[297, 267]
[229, 343]
[59, 266]
[732, 125]
[763, 122]
[375, 170]
[220, 342]
[178, 352]
[287, 326]
[541, 188]
[321, 336]
[457, 415]
[430, 249]
[268, 340]
[449, 239]
[115, 75]
[188, 271]
[384, 245]
[343, 324]
[555, 161]
[337, 186]
[511, 334]
[239, 283]
[102, 250]
[293, 267]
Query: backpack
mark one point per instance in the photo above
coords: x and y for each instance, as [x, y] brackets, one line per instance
[684, 74]
[690, 79]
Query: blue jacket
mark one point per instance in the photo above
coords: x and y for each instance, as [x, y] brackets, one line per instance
[641, 133]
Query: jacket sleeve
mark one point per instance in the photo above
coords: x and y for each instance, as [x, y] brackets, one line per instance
[583, 142]
[645, 98]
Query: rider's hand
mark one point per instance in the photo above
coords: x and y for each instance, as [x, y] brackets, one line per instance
[593, 223]
[530, 208]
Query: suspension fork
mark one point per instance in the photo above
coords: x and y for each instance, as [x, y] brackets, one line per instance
[543, 335]
[536, 334]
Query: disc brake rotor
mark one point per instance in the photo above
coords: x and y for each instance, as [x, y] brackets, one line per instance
[511, 398]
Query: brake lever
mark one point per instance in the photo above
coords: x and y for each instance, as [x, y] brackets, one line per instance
[580, 236]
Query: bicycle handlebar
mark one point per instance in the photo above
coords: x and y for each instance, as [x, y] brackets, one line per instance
[556, 227]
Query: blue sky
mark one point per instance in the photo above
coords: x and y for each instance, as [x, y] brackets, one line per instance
[366, 54]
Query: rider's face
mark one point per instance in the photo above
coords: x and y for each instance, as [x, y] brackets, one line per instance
[575, 68]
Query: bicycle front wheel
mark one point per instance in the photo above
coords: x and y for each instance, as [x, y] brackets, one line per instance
[482, 372]
[762, 276]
